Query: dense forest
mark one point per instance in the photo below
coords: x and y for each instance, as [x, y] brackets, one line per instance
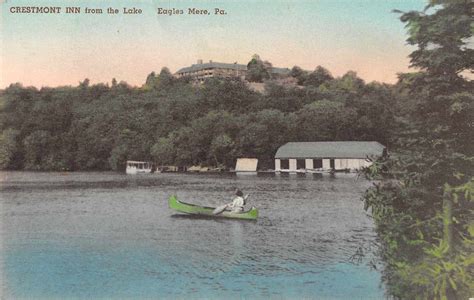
[177, 122]
[422, 198]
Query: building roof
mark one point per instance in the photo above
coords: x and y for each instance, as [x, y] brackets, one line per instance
[218, 65]
[330, 150]
[212, 65]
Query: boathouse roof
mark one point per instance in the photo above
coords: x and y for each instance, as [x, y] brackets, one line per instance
[350, 149]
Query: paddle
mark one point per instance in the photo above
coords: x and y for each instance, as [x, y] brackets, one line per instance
[221, 208]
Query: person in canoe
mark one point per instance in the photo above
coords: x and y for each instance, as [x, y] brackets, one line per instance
[236, 206]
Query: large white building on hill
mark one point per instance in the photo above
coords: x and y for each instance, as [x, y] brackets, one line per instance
[201, 71]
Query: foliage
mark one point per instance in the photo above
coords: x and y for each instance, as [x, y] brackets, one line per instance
[258, 70]
[299, 74]
[163, 151]
[8, 147]
[220, 148]
[422, 201]
[319, 76]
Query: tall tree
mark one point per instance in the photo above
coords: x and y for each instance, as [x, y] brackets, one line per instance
[258, 70]
[299, 74]
[427, 193]
[319, 76]
[163, 151]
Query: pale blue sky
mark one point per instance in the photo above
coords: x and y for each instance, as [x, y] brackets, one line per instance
[63, 49]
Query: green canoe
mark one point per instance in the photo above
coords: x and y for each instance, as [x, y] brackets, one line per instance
[193, 209]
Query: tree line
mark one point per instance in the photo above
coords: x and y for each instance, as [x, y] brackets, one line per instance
[176, 122]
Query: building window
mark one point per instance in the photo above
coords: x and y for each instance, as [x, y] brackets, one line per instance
[285, 164]
[300, 164]
[317, 163]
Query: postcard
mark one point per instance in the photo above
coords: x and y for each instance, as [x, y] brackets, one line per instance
[224, 149]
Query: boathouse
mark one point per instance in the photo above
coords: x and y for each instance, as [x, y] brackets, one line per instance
[325, 156]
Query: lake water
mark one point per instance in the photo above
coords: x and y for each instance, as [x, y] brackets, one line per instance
[108, 235]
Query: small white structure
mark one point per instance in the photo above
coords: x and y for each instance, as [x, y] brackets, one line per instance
[135, 167]
[246, 165]
[313, 157]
